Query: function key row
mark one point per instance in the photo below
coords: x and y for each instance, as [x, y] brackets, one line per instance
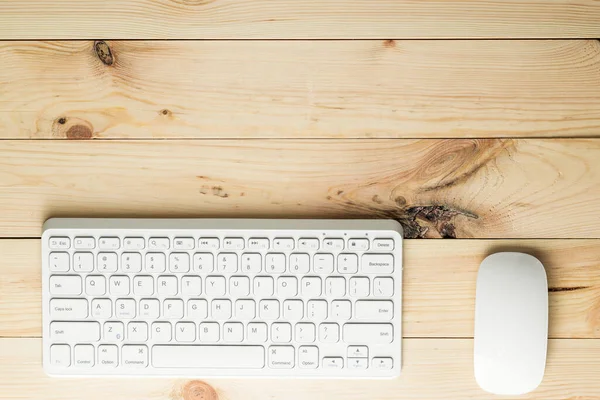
[229, 243]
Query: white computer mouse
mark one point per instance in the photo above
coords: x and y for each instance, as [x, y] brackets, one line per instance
[511, 324]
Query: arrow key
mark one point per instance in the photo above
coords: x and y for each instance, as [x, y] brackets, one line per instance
[358, 351]
[358, 363]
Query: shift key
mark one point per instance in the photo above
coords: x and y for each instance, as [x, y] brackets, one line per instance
[80, 332]
[368, 333]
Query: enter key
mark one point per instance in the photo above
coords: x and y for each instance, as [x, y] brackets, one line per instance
[374, 310]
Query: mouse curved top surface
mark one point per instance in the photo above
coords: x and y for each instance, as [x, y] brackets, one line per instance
[511, 323]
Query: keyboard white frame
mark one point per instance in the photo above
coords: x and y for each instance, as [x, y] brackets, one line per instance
[221, 228]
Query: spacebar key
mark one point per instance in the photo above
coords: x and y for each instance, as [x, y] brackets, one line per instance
[202, 356]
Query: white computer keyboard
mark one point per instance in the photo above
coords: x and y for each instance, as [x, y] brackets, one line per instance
[222, 297]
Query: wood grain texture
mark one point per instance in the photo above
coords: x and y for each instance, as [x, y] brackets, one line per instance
[438, 291]
[310, 19]
[432, 369]
[299, 89]
[484, 188]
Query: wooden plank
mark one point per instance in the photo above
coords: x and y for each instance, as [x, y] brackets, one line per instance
[432, 369]
[439, 285]
[353, 89]
[310, 19]
[488, 188]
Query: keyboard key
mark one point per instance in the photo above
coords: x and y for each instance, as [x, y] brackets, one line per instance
[275, 263]
[75, 331]
[206, 356]
[143, 286]
[119, 285]
[125, 308]
[263, 286]
[220, 309]
[59, 262]
[283, 244]
[317, 310]
[155, 262]
[191, 285]
[287, 286]
[305, 332]
[281, 357]
[382, 363]
[227, 263]
[368, 333]
[359, 287]
[281, 332]
[60, 355]
[134, 356]
[333, 244]
[158, 243]
[134, 243]
[332, 363]
[161, 331]
[377, 264]
[215, 286]
[137, 332]
[209, 332]
[166, 285]
[84, 243]
[308, 244]
[374, 310]
[347, 263]
[245, 309]
[323, 263]
[341, 310]
[185, 332]
[59, 243]
[233, 332]
[197, 309]
[109, 243]
[383, 287]
[335, 287]
[65, 285]
[186, 243]
[131, 262]
[108, 355]
[358, 244]
[239, 286]
[329, 333]
[251, 263]
[293, 310]
[233, 243]
[149, 308]
[67, 309]
[107, 262]
[268, 309]
[311, 286]
[173, 309]
[257, 332]
[358, 351]
[84, 356]
[383, 245]
[113, 332]
[258, 244]
[102, 308]
[208, 243]
[95, 285]
[299, 263]
[203, 263]
[308, 357]
[83, 262]
[179, 262]
[358, 363]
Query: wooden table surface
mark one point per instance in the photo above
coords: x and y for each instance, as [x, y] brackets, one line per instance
[476, 120]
